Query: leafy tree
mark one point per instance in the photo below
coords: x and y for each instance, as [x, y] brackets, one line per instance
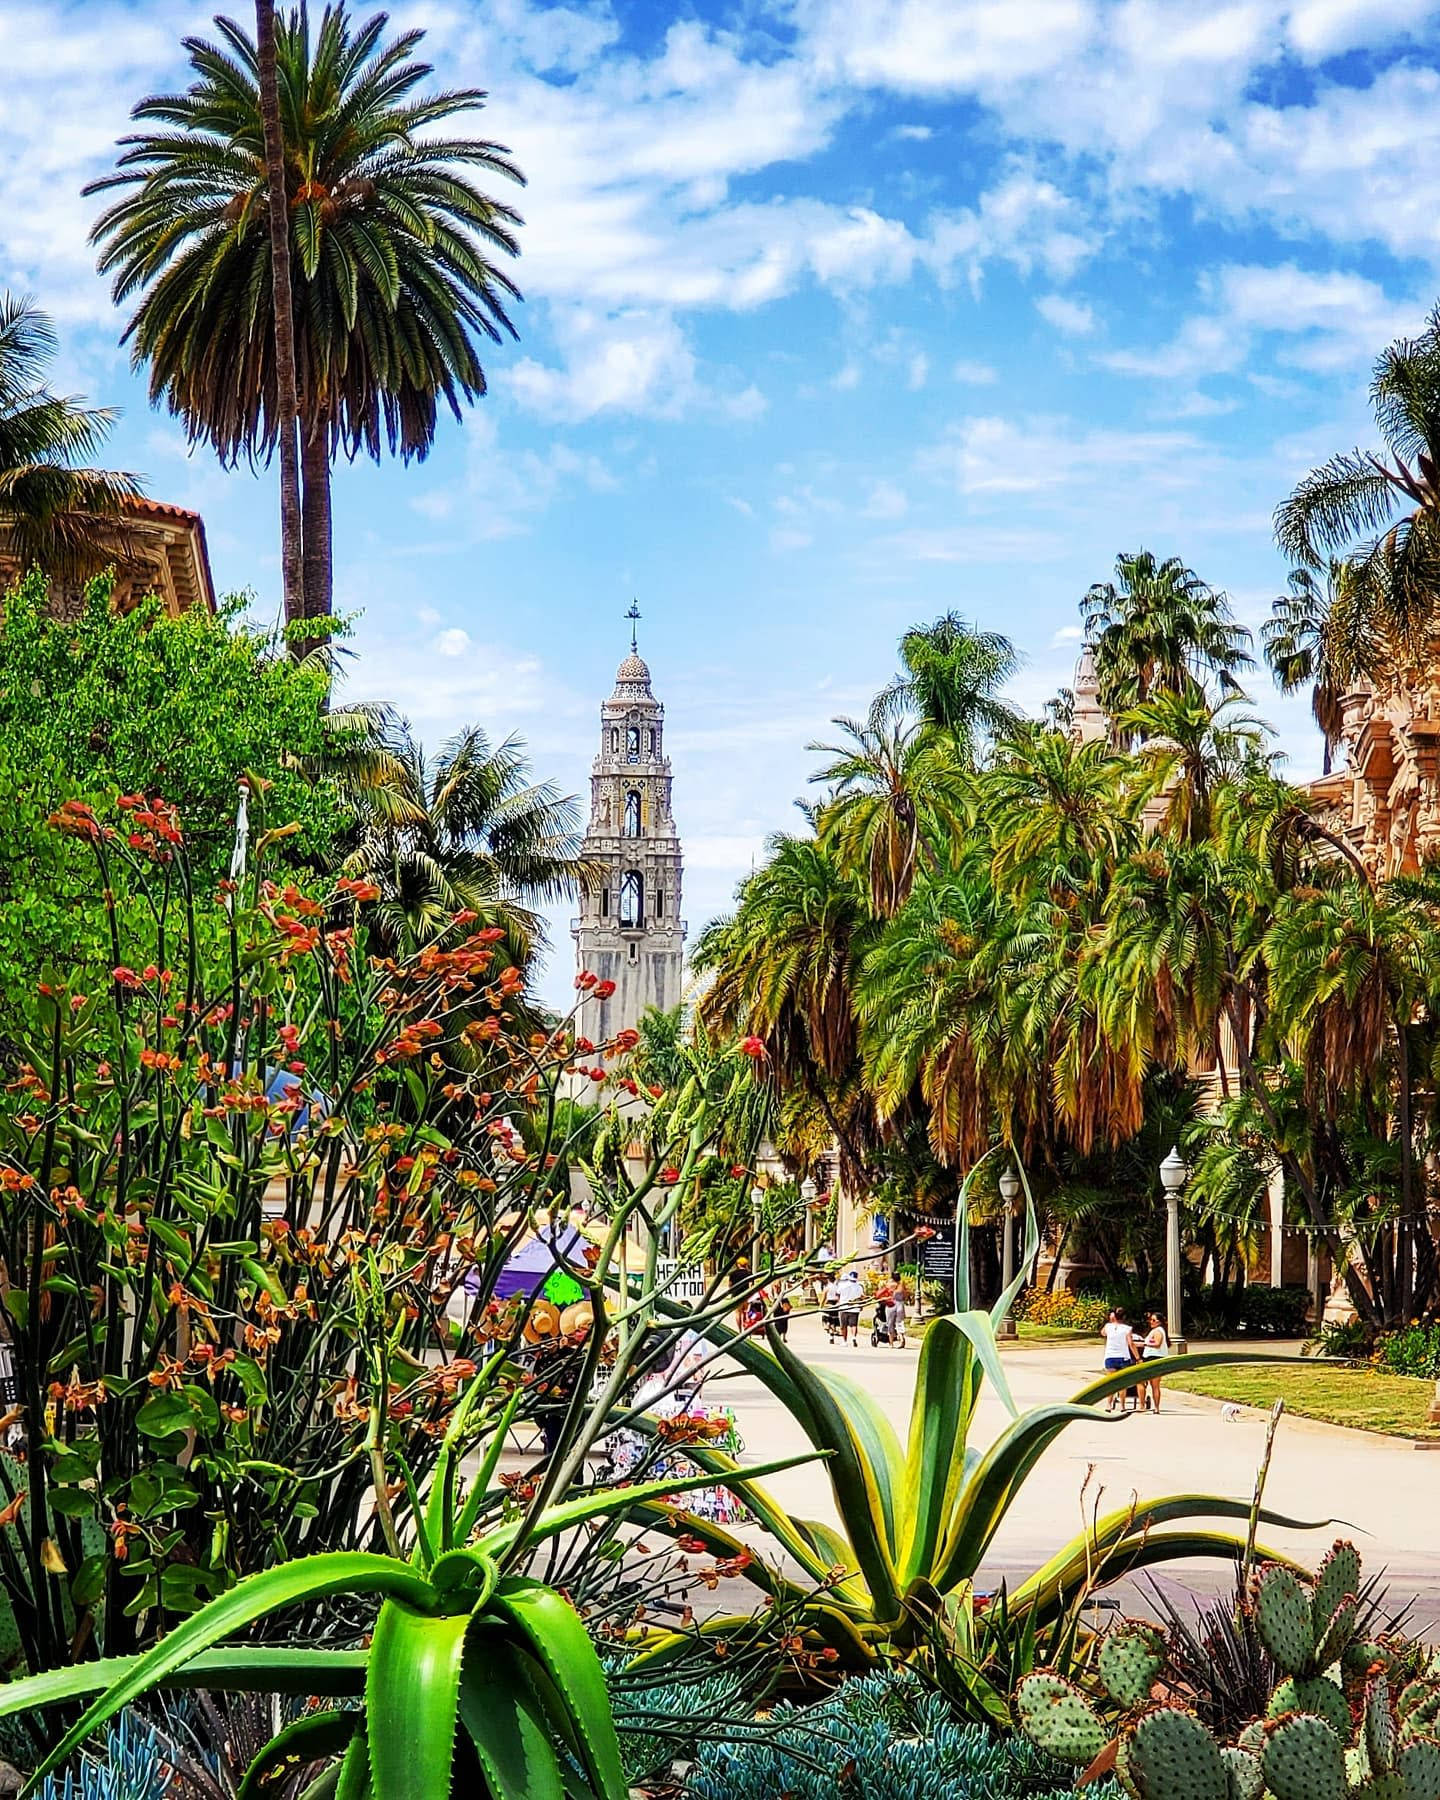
[1380, 512]
[468, 829]
[1158, 628]
[393, 251]
[1319, 636]
[953, 677]
[104, 704]
[53, 509]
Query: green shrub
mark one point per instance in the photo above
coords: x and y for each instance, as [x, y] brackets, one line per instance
[1347, 1340]
[895, 1739]
[1413, 1351]
[1077, 1312]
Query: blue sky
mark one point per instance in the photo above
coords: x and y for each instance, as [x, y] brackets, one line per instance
[839, 313]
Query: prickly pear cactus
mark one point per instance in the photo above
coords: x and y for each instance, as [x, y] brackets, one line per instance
[1304, 1760]
[1336, 1580]
[1377, 1724]
[1418, 1766]
[1312, 1694]
[1130, 1661]
[1167, 1754]
[1058, 1719]
[1243, 1773]
[1282, 1617]
[1418, 1708]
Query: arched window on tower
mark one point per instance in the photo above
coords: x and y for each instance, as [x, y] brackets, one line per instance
[632, 899]
[652, 740]
[632, 813]
[632, 743]
[614, 740]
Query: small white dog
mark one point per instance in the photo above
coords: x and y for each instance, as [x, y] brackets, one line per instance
[1230, 1412]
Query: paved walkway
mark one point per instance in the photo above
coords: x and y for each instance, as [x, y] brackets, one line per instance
[1380, 1491]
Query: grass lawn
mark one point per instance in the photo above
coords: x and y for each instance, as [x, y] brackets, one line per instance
[1053, 1334]
[1363, 1398]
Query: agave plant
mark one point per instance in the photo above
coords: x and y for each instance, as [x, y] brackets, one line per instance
[475, 1675]
[919, 1519]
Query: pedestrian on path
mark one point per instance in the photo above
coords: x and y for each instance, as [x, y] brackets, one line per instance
[830, 1310]
[896, 1318]
[850, 1291]
[1156, 1344]
[1120, 1351]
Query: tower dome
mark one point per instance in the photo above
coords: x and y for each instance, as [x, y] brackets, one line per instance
[633, 674]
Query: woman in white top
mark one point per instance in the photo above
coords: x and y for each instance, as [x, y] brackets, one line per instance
[1120, 1351]
[1156, 1344]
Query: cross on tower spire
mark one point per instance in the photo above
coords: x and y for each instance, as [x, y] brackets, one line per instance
[634, 616]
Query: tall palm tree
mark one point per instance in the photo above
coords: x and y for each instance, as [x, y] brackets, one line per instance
[1318, 636]
[896, 795]
[1383, 511]
[1190, 748]
[953, 677]
[54, 510]
[1158, 628]
[465, 830]
[393, 252]
[287, 400]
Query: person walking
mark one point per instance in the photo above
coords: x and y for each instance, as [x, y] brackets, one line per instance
[850, 1291]
[1154, 1346]
[830, 1308]
[780, 1316]
[896, 1319]
[1120, 1352]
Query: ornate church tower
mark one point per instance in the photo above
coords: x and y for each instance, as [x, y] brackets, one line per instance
[630, 930]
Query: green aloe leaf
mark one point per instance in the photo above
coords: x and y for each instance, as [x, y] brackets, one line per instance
[502, 1716]
[412, 1692]
[354, 1782]
[330, 1673]
[309, 1578]
[1118, 1379]
[553, 1634]
[1140, 1551]
[855, 1479]
[556, 1519]
[302, 1741]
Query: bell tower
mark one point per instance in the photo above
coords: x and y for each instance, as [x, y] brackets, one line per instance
[630, 930]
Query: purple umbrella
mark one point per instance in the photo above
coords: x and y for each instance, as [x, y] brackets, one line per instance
[556, 1247]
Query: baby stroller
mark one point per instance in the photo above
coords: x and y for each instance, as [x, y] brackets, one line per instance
[880, 1329]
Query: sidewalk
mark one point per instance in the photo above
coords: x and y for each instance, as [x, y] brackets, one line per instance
[1377, 1490]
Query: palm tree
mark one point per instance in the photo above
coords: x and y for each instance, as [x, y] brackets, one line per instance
[467, 830]
[287, 400]
[1190, 748]
[1348, 506]
[54, 510]
[896, 794]
[393, 248]
[952, 680]
[1158, 628]
[1316, 637]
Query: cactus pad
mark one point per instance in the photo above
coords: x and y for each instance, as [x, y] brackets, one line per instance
[1130, 1662]
[1379, 1726]
[1313, 1694]
[1418, 1764]
[1337, 1577]
[1245, 1777]
[1058, 1719]
[1418, 1708]
[1335, 1639]
[1282, 1617]
[1169, 1755]
[1303, 1760]
[1252, 1738]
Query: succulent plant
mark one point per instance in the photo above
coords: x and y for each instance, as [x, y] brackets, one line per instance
[1308, 1632]
[1167, 1754]
[1130, 1661]
[1058, 1719]
[1305, 1760]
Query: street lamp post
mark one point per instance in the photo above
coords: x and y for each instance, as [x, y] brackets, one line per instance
[757, 1220]
[1173, 1176]
[1009, 1188]
[809, 1194]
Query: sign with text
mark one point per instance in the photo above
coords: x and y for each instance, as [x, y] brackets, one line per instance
[683, 1283]
[937, 1255]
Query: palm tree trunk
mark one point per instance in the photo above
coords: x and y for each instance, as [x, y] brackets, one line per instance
[319, 569]
[287, 404]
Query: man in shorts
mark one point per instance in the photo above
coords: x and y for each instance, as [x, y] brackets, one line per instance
[849, 1293]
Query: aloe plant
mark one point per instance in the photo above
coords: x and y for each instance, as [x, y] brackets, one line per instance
[474, 1675]
[919, 1519]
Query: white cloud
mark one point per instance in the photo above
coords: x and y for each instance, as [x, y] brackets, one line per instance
[886, 501]
[1067, 634]
[633, 362]
[974, 374]
[786, 537]
[918, 134]
[846, 378]
[940, 46]
[1073, 317]
[1324, 322]
[987, 456]
[454, 642]
[917, 371]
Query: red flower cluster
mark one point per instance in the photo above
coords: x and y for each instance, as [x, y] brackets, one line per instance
[154, 825]
[752, 1046]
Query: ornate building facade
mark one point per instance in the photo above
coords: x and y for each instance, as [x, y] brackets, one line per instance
[630, 930]
[1384, 799]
